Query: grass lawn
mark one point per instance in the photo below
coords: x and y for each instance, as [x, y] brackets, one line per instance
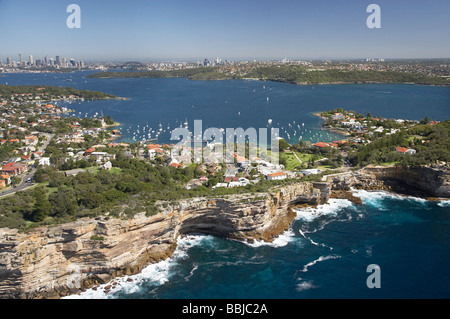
[95, 169]
[292, 161]
[388, 164]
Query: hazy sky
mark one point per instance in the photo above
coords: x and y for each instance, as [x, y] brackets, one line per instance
[194, 29]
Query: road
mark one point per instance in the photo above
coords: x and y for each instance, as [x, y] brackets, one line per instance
[30, 175]
[23, 184]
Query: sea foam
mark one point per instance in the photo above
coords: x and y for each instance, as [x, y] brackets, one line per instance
[444, 203]
[376, 198]
[333, 206]
[281, 241]
[156, 274]
[321, 258]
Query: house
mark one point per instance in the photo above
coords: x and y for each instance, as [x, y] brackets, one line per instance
[89, 151]
[311, 171]
[2, 183]
[116, 132]
[276, 176]
[74, 172]
[321, 144]
[233, 184]
[44, 161]
[107, 166]
[193, 183]
[13, 169]
[203, 179]
[338, 116]
[243, 181]
[220, 185]
[404, 150]
[5, 178]
[229, 179]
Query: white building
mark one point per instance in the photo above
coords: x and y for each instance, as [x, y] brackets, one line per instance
[311, 171]
[107, 166]
[276, 176]
[44, 161]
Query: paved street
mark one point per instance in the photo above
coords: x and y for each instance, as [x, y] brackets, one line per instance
[30, 175]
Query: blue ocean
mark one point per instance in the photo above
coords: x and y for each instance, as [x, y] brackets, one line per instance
[326, 251]
[324, 254]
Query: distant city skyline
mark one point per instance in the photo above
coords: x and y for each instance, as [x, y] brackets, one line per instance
[235, 30]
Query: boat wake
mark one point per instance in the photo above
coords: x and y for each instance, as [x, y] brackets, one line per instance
[320, 259]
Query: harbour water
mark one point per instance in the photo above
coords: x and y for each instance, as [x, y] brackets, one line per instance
[160, 105]
[326, 251]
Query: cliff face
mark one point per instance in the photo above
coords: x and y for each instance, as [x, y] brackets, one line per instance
[60, 260]
[432, 181]
[420, 181]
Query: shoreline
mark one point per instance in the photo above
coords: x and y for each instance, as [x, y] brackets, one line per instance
[331, 129]
[154, 238]
[106, 287]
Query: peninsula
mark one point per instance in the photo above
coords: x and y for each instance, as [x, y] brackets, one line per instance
[109, 210]
[91, 209]
[291, 73]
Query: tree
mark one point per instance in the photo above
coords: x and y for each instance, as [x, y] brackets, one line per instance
[426, 120]
[63, 202]
[42, 206]
[283, 145]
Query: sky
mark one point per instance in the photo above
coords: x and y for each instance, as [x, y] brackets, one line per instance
[151, 30]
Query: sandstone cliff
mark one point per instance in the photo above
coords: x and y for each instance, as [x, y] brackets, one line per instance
[56, 261]
[426, 181]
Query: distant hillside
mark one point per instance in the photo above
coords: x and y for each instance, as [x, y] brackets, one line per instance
[289, 73]
[53, 92]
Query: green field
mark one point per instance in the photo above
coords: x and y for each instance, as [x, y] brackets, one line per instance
[302, 159]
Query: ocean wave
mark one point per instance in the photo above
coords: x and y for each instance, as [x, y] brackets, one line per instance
[152, 275]
[444, 203]
[376, 198]
[281, 241]
[333, 206]
[305, 285]
[313, 242]
[321, 258]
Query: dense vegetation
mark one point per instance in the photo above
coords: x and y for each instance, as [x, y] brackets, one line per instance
[431, 142]
[287, 73]
[53, 92]
[183, 73]
[132, 186]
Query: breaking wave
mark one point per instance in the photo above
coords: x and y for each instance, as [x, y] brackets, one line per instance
[321, 258]
[333, 206]
[281, 241]
[376, 198]
[444, 203]
[153, 275]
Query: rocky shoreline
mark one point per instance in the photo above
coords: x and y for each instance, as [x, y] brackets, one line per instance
[51, 262]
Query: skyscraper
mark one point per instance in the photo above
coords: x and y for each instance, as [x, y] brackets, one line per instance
[57, 62]
[31, 60]
[8, 61]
